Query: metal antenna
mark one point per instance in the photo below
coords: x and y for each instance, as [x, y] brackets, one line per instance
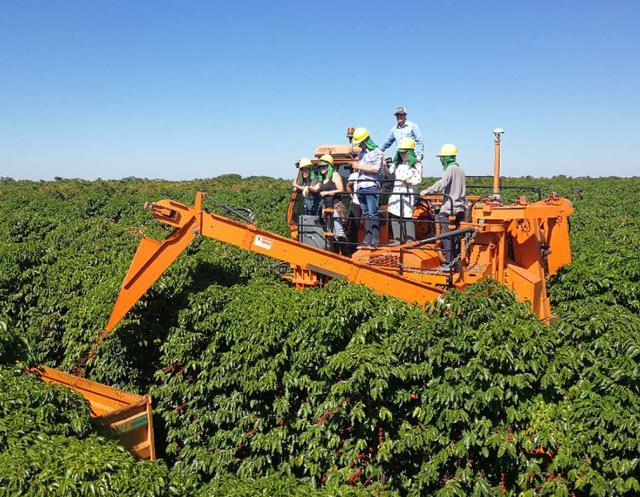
[498, 132]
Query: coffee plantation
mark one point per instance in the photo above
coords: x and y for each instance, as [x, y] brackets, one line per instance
[262, 389]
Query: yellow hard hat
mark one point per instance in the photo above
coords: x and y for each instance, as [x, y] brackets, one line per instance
[447, 150]
[304, 162]
[359, 135]
[327, 158]
[407, 143]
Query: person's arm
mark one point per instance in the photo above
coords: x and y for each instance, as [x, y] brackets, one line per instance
[369, 169]
[439, 185]
[373, 168]
[337, 179]
[417, 136]
[389, 141]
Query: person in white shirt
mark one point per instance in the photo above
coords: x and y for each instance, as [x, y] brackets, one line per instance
[407, 174]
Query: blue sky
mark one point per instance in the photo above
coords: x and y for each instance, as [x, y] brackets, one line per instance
[188, 89]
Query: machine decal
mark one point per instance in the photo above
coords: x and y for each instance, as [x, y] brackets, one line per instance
[263, 242]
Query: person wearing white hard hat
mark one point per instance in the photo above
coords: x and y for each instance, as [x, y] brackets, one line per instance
[454, 203]
[407, 174]
[404, 129]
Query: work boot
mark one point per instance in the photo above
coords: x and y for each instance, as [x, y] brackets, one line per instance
[367, 235]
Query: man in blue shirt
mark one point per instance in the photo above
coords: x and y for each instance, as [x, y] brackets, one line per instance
[405, 129]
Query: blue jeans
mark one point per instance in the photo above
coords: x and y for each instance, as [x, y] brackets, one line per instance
[369, 203]
[369, 206]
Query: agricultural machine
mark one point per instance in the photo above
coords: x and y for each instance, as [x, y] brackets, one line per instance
[518, 244]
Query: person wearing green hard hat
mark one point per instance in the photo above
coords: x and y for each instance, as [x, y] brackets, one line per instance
[454, 203]
[407, 174]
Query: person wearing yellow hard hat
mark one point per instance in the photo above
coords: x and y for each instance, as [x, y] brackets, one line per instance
[329, 187]
[454, 202]
[303, 183]
[368, 167]
[407, 174]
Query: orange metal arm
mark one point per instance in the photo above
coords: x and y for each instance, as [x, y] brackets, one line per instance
[320, 261]
[153, 257]
[532, 227]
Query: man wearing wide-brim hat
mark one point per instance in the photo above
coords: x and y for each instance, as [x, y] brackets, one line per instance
[404, 129]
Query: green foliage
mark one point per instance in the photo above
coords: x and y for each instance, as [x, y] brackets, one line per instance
[12, 346]
[29, 408]
[67, 467]
[284, 486]
[66, 245]
[262, 389]
[48, 447]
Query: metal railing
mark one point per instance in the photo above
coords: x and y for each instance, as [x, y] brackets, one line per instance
[350, 225]
[537, 190]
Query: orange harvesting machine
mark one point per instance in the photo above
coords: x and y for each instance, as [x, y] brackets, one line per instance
[519, 244]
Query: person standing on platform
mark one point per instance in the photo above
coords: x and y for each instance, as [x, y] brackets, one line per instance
[407, 174]
[404, 129]
[368, 185]
[306, 178]
[454, 202]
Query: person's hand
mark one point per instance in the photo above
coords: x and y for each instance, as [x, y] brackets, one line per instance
[323, 194]
[424, 192]
[305, 191]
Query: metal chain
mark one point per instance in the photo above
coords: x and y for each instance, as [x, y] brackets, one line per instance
[386, 260]
[468, 238]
